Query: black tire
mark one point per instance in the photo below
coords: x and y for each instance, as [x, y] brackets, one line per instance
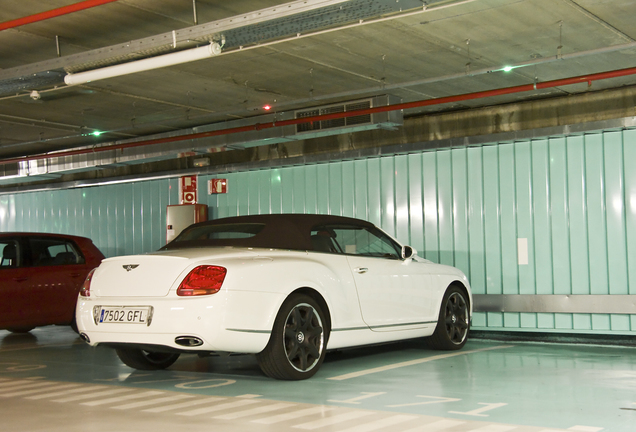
[146, 360]
[297, 345]
[20, 329]
[453, 323]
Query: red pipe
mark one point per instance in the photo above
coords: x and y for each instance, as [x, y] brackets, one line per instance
[428, 102]
[86, 4]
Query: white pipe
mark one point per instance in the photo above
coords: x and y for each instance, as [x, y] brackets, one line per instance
[171, 59]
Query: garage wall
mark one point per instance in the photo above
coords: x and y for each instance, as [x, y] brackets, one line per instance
[121, 219]
[572, 199]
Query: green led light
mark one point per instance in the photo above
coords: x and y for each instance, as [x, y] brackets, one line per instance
[507, 68]
[96, 133]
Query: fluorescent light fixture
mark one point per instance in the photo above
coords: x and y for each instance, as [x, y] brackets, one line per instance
[171, 59]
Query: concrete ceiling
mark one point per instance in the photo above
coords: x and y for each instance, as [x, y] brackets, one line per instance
[289, 56]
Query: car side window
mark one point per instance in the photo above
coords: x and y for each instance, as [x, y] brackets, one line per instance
[47, 251]
[10, 254]
[354, 240]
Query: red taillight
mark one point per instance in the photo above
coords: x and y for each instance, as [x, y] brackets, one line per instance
[85, 291]
[202, 280]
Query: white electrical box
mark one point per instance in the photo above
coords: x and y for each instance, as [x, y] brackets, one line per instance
[181, 216]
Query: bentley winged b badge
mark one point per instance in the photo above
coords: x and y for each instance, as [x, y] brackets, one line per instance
[129, 267]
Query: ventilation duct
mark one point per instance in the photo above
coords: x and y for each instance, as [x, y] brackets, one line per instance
[55, 166]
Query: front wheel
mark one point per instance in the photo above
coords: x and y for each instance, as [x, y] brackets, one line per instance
[451, 332]
[297, 346]
[146, 360]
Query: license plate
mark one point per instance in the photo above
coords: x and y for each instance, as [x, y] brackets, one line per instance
[124, 314]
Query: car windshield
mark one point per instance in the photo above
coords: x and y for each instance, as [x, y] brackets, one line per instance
[220, 232]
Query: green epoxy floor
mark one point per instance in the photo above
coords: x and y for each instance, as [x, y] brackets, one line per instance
[50, 381]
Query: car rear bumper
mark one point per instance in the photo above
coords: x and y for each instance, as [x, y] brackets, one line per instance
[223, 322]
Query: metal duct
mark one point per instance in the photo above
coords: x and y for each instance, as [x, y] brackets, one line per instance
[210, 138]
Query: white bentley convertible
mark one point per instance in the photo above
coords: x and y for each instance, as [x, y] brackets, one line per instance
[286, 288]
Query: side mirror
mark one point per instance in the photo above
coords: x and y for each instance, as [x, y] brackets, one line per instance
[408, 252]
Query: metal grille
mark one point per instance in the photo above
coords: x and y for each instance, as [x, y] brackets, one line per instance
[335, 123]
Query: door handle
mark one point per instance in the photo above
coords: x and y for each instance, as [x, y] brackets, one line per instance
[361, 270]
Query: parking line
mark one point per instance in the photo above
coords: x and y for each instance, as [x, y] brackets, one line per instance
[329, 421]
[43, 388]
[122, 398]
[413, 362]
[254, 411]
[67, 392]
[93, 395]
[293, 415]
[494, 428]
[437, 426]
[206, 410]
[381, 424]
[187, 404]
[153, 401]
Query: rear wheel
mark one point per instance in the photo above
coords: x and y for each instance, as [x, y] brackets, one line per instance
[451, 332]
[146, 360]
[296, 347]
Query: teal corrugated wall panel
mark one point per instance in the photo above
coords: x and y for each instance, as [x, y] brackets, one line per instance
[460, 211]
[492, 227]
[525, 221]
[572, 198]
[387, 194]
[416, 204]
[477, 250]
[541, 216]
[577, 218]
[445, 207]
[615, 205]
[559, 217]
[508, 222]
[431, 213]
[402, 220]
[629, 149]
[597, 230]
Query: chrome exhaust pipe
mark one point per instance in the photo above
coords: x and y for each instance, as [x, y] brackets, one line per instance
[188, 341]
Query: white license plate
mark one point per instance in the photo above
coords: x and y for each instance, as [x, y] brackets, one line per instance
[124, 314]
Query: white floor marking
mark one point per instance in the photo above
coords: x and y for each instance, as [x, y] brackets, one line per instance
[152, 402]
[380, 424]
[221, 407]
[494, 428]
[355, 400]
[122, 398]
[439, 425]
[93, 395]
[249, 396]
[585, 429]
[187, 404]
[25, 385]
[439, 399]
[478, 412]
[255, 411]
[294, 415]
[328, 421]
[66, 392]
[413, 362]
[13, 383]
[31, 390]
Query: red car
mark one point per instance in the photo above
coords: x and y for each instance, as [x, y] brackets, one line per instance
[40, 277]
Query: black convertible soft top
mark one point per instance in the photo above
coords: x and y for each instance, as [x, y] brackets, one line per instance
[275, 231]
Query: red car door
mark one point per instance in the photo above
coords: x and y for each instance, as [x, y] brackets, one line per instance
[57, 271]
[14, 280]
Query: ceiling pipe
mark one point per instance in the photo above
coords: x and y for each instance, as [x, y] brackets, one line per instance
[65, 10]
[402, 106]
